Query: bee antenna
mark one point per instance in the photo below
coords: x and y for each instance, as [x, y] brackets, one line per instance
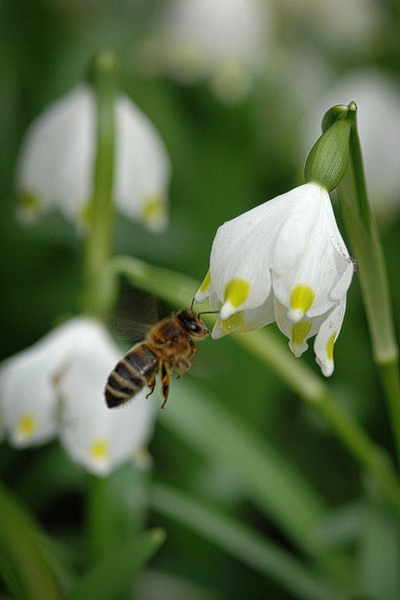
[208, 312]
[204, 312]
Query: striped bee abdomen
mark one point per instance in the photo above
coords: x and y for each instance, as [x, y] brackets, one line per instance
[131, 374]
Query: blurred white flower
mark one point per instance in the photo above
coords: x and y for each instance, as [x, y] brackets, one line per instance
[222, 42]
[28, 399]
[377, 96]
[342, 26]
[55, 168]
[282, 261]
[57, 387]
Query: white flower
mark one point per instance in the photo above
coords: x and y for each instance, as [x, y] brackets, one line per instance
[282, 261]
[57, 387]
[223, 42]
[56, 163]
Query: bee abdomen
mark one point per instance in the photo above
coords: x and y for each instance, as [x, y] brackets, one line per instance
[143, 361]
[131, 374]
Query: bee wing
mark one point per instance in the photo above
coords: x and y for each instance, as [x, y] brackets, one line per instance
[134, 315]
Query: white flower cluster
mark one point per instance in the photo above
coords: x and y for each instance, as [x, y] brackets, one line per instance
[56, 163]
[56, 387]
[282, 261]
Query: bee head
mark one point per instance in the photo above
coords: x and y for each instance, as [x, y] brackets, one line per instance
[195, 327]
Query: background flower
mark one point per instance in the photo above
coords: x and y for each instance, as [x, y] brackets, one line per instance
[56, 163]
[221, 42]
[56, 387]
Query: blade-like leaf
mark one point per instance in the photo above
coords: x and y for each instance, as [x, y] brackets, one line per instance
[246, 545]
[115, 572]
[270, 479]
[24, 563]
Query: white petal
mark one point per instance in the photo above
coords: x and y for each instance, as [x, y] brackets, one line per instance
[201, 295]
[344, 282]
[302, 207]
[28, 397]
[326, 337]
[93, 435]
[55, 165]
[241, 250]
[297, 333]
[143, 167]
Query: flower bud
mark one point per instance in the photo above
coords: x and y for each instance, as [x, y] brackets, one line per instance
[327, 162]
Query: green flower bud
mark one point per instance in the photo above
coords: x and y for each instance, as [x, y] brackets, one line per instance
[327, 162]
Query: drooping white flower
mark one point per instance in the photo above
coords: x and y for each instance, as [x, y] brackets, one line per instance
[55, 168]
[222, 42]
[282, 261]
[56, 387]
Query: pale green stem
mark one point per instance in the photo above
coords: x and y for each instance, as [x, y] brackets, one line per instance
[312, 389]
[98, 248]
[99, 513]
[101, 211]
[179, 290]
[366, 246]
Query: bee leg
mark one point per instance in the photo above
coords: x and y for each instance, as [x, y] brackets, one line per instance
[165, 374]
[151, 385]
[182, 365]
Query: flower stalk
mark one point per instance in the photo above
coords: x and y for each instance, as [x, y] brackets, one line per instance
[313, 390]
[101, 211]
[99, 517]
[365, 241]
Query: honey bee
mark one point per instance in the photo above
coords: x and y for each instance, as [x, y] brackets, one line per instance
[167, 347]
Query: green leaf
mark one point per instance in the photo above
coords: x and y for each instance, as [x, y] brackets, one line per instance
[244, 544]
[379, 556]
[24, 560]
[270, 479]
[111, 575]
